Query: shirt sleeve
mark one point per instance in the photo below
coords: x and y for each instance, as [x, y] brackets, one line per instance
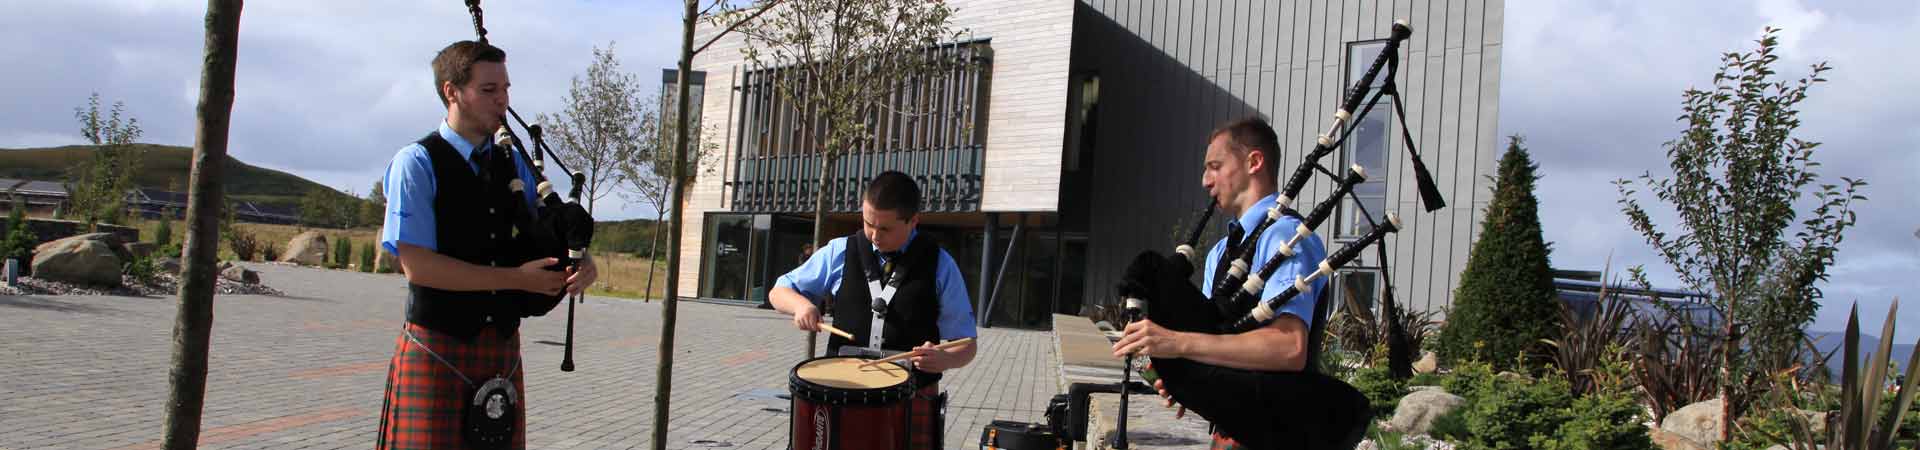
[524, 169]
[1306, 260]
[956, 307]
[819, 277]
[409, 188]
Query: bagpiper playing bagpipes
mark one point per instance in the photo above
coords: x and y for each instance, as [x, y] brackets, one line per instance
[481, 251]
[1241, 353]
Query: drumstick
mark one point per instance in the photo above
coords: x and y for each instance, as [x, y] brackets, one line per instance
[837, 331]
[947, 346]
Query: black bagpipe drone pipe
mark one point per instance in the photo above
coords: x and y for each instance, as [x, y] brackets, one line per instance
[1240, 260]
[1263, 409]
[551, 227]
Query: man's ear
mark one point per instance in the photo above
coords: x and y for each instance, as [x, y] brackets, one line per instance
[1256, 161]
[449, 91]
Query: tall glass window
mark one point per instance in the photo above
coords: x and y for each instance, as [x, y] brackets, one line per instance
[1368, 147]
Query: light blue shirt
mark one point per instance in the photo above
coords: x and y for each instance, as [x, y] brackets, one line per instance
[409, 187]
[1305, 260]
[819, 278]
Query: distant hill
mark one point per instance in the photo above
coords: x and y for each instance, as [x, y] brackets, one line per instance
[1832, 341]
[625, 236]
[165, 167]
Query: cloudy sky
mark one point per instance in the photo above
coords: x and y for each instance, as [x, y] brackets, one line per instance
[329, 90]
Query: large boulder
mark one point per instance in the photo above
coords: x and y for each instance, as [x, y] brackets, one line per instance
[1665, 440]
[114, 243]
[78, 260]
[1698, 422]
[1417, 410]
[307, 249]
[1428, 363]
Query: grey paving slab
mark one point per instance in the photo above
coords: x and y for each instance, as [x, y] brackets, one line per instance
[305, 371]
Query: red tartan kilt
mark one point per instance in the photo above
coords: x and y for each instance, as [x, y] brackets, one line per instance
[424, 400]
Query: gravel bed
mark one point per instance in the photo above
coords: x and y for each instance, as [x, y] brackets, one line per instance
[163, 285]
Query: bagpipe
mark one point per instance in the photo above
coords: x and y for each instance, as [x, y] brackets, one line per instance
[1271, 409]
[550, 228]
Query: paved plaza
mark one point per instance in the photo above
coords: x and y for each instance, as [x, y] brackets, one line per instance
[305, 371]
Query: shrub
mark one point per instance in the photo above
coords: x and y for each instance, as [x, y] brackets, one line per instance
[15, 240]
[366, 257]
[141, 268]
[1602, 421]
[1382, 391]
[1517, 414]
[1506, 302]
[342, 251]
[163, 235]
[243, 244]
[270, 253]
[1451, 427]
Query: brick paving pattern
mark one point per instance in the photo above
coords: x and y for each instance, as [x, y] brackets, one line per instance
[306, 371]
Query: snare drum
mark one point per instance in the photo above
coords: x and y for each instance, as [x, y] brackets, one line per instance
[838, 405]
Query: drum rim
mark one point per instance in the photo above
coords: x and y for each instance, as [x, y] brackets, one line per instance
[802, 389]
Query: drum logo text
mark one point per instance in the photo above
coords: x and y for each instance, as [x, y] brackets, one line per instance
[820, 429]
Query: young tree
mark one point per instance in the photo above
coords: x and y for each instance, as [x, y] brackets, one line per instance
[98, 187]
[1738, 171]
[1506, 302]
[605, 120]
[649, 179]
[193, 326]
[373, 211]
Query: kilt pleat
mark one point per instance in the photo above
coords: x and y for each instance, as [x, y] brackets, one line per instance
[424, 399]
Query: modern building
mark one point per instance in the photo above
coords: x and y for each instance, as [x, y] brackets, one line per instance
[1072, 140]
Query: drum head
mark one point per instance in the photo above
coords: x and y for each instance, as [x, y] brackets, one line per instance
[839, 380]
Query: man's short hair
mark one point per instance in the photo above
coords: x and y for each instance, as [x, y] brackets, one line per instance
[455, 64]
[894, 191]
[1252, 132]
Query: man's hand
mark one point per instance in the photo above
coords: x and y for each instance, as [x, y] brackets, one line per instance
[934, 360]
[807, 317]
[582, 277]
[1145, 338]
[534, 277]
[1161, 386]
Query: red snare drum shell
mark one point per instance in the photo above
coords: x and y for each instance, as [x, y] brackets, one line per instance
[832, 412]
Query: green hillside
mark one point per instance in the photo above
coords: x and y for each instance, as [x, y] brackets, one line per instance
[166, 168]
[624, 236]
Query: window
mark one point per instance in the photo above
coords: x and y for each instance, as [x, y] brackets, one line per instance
[1368, 146]
[1356, 291]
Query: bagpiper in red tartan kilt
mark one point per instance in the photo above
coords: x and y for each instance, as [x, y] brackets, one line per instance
[425, 400]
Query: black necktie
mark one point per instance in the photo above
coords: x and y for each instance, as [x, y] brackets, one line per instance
[480, 158]
[886, 268]
[1234, 234]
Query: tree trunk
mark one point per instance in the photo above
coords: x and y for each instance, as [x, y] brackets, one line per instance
[663, 387]
[193, 324]
[653, 255]
[820, 228]
[1726, 375]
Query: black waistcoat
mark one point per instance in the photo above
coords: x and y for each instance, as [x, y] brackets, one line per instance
[472, 223]
[913, 315]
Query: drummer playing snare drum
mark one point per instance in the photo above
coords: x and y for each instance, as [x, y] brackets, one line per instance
[892, 292]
